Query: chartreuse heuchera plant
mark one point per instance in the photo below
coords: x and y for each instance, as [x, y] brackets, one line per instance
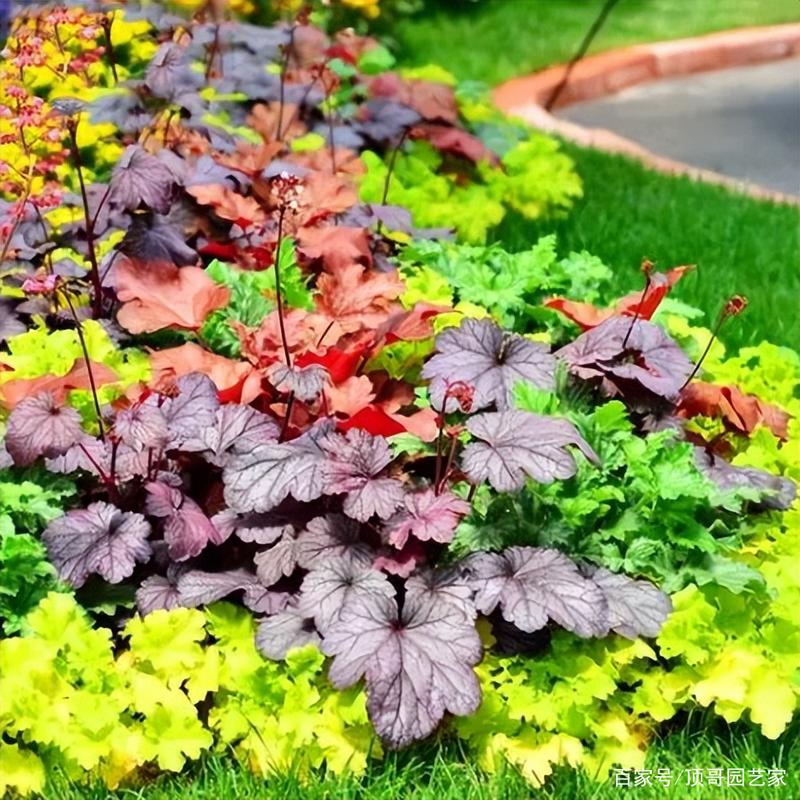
[296, 465]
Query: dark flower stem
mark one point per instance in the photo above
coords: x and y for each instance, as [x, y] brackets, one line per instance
[278, 292]
[439, 439]
[449, 465]
[100, 472]
[94, 271]
[724, 314]
[287, 54]
[85, 350]
[108, 21]
[390, 172]
[287, 419]
[638, 310]
[212, 53]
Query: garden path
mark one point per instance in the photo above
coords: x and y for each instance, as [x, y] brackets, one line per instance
[743, 122]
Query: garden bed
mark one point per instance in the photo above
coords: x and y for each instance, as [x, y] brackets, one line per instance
[300, 469]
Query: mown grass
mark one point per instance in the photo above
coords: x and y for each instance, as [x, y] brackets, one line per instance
[628, 212]
[444, 773]
[740, 245]
[493, 40]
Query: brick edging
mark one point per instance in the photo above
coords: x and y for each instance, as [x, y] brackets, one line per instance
[606, 73]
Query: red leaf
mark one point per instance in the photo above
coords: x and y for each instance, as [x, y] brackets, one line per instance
[228, 204]
[227, 252]
[336, 246]
[350, 396]
[411, 325]
[236, 381]
[356, 298]
[435, 102]
[455, 141]
[15, 391]
[589, 316]
[161, 296]
[373, 420]
[304, 331]
[741, 412]
[341, 364]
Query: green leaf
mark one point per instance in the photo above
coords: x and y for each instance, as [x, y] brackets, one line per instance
[376, 60]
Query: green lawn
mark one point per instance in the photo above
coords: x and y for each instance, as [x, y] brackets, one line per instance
[740, 245]
[628, 213]
[442, 773]
[493, 40]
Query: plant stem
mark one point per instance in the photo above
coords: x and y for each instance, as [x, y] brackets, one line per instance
[638, 310]
[94, 272]
[108, 21]
[103, 476]
[714, 333]
[87, 360]
[449, 465]
[390, 172]
[439, 437]
[288, 417]
[287, 54]
[278, 293]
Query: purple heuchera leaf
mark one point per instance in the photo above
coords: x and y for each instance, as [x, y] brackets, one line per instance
[198, 588]
[236, 429]
[278, 562]
[89, 453]
[517, 443]
[331, 537]
[142, 427]
[140, 179]
[427, 517]
[417, 663]
[268, 474]
[261, 600]
[187, 530]
[319, 462]
[152, 238]
[401, 562]
[99, 539]
[305, 383]
[279, 634]
[448, 586]
[532, 585]
[328, 589]
[5, 457]
[192, 410]
[772, 492]
[488, 359]
[650, 360]
[385, 119]
[38, 426]
[159, 591]
[635, 608]
[256, 528]
[168, 74]
[354, 461]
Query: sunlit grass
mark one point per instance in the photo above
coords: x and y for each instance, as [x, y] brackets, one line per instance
[444, 772]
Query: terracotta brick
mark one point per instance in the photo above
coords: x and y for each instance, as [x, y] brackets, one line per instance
[754, 52]
[686, 56]
[638, 70]
[606, 73]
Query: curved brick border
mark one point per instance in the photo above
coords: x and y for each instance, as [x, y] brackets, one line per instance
[604, 74]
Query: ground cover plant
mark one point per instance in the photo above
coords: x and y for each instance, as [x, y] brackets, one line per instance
[306, 470]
